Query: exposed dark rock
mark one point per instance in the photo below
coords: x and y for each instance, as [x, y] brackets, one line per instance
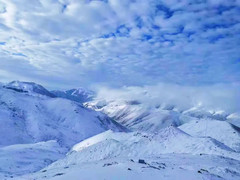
[141, 161]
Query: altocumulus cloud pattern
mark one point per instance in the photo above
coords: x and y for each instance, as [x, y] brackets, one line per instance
[120, 42]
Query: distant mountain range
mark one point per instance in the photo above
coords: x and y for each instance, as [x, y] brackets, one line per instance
[69, 134]
[79, 94]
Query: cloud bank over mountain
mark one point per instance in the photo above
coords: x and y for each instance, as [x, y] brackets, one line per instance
[214, 98]
[120, 43]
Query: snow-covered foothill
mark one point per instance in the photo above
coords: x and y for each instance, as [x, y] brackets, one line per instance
[19, 159]
[220, 130]
[169, 154]
[165, 166]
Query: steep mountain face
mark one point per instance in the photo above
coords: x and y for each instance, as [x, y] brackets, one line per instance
[80, 95]
[234, 119]
[29, 87]
[137, 116]
[29, 119]
[151, 118]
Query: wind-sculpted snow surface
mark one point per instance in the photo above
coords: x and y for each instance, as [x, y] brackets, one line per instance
[165, 167]
[169, 154]
[22, 159]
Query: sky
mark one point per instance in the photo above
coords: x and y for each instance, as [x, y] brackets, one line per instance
[115, 43]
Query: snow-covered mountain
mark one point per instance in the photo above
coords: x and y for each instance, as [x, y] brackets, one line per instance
[22, 159]
[169, 154]
[219, 130]
[136, 115]
[195, 121]
[30, 87]
[151, 118]
[29, 118]
[71, 134]
[168, 140]
[80, 95]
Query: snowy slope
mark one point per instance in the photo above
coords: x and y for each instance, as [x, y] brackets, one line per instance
[110, 145]
[21, 159]
[191, 143]
[165, 167]
[29, 119]
[234, 119]
[136, 116]
[151, 118]
[29, 87]
[219, 130]
[168, 140]
[170, 152]
[80, 95]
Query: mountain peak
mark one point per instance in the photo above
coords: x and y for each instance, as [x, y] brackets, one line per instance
[29, 87]
[77, 94]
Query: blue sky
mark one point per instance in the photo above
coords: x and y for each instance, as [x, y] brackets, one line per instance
[67, 43]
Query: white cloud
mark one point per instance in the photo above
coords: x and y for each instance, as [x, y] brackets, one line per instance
[121, 42]
[218, 97]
